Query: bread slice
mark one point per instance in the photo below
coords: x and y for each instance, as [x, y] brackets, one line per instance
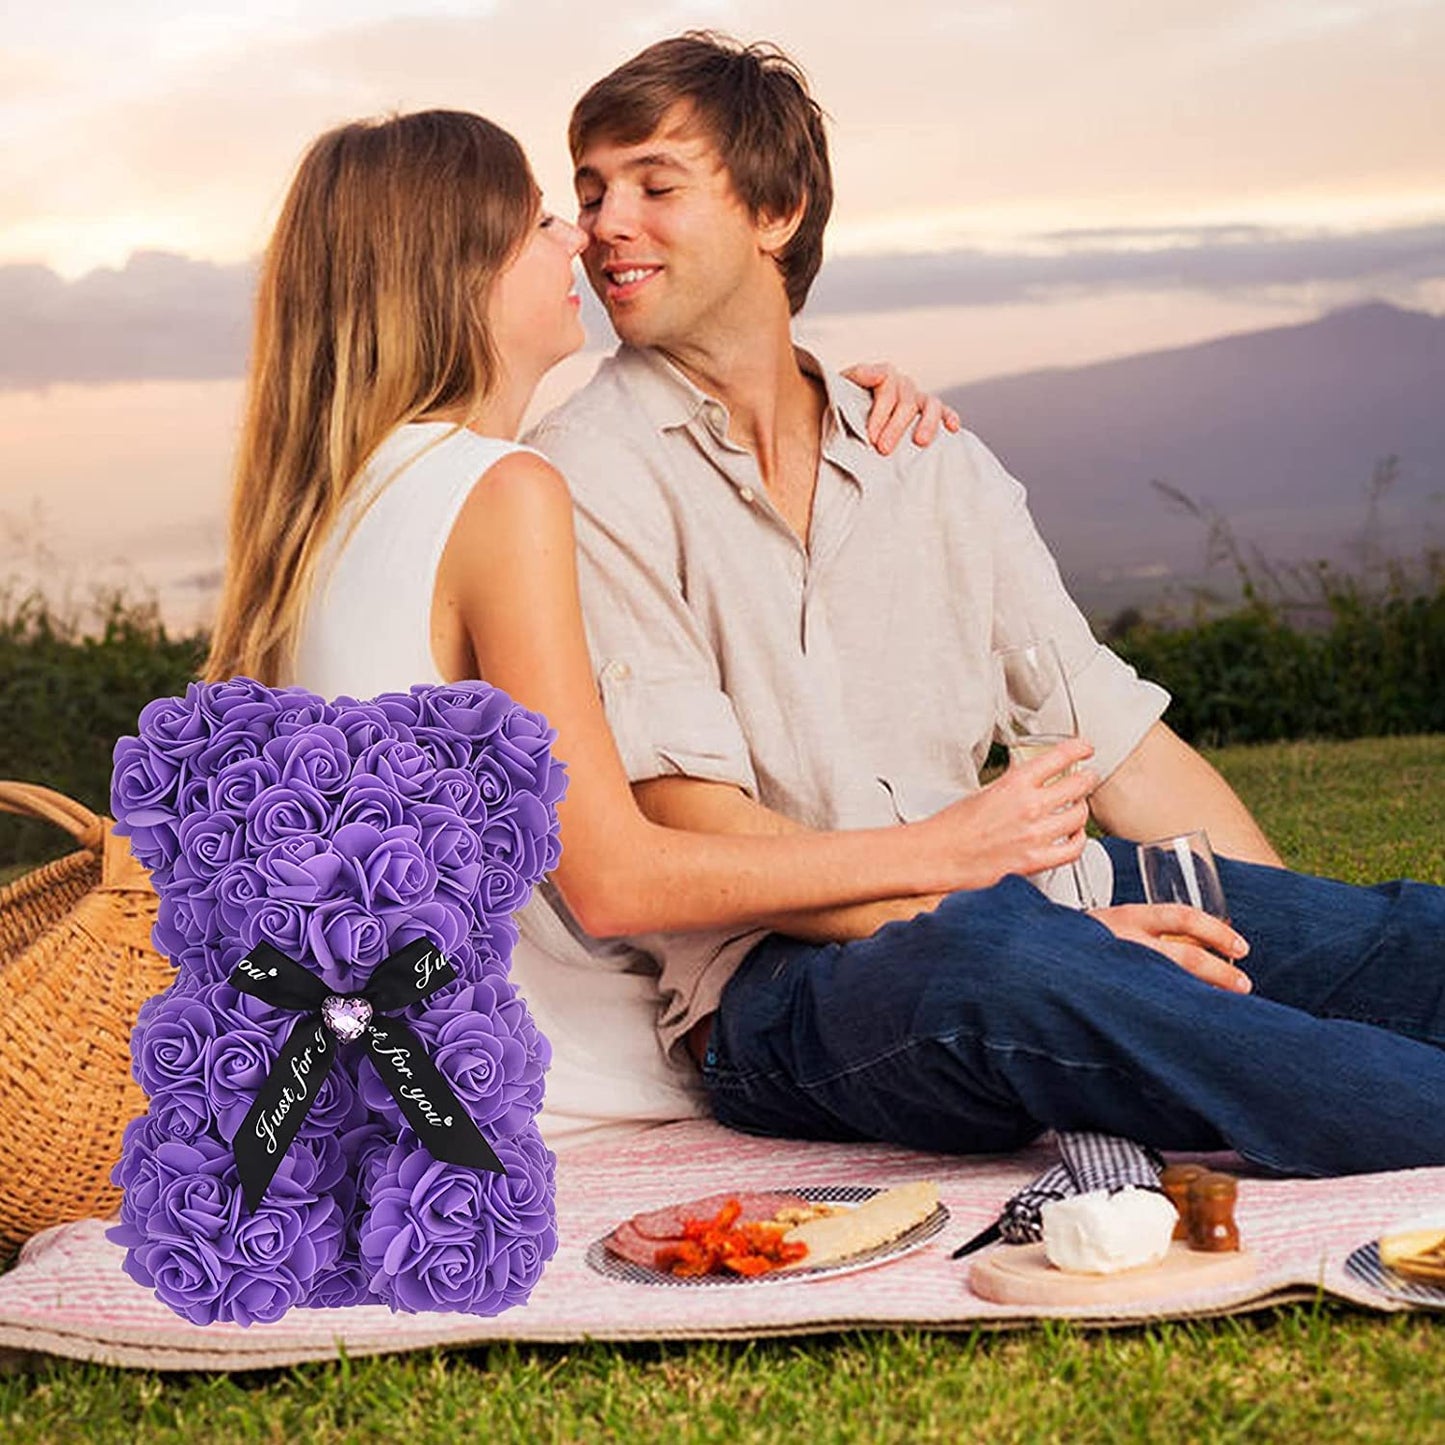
[1415, 1250]
[876, 1221]
[1409, 1243]
[1428, 1269]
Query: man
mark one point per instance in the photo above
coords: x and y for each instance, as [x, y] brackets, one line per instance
[793, 632]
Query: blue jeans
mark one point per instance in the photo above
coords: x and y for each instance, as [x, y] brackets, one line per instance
[973, 1028]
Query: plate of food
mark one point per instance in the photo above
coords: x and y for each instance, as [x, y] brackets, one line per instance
[1407, 1262]
[770, 1237]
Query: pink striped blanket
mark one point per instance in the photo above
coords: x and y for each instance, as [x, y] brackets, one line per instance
[67, 1295]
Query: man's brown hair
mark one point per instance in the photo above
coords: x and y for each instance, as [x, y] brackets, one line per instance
[752, 103]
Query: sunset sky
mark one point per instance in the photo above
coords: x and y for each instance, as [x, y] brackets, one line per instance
[1020, 184]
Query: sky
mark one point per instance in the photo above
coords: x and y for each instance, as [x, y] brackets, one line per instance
[1026, 184]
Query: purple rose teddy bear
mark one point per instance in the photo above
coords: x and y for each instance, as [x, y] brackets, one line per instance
[337, 882]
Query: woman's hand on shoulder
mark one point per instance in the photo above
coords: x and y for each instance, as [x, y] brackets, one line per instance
[898, 404]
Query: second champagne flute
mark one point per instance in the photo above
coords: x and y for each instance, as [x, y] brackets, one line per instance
[1182, 870]
[1035, 713]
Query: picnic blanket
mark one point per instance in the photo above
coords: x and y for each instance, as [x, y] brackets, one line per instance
[67, 1295]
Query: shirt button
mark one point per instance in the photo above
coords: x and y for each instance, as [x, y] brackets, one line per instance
[748, 495]
[618, 671]
[715, 414]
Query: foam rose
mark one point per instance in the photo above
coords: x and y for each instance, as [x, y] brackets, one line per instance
[144, 784]
[286, 810]
[177, 724]
[235, 787]
[315, 754]
[366, 800]
[209, 840]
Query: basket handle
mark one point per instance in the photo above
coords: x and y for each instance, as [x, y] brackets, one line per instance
[30, 800]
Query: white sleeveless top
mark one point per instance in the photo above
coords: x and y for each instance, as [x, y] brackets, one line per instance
[367, 630]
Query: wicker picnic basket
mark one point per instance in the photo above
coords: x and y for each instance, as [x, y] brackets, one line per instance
[75, 966]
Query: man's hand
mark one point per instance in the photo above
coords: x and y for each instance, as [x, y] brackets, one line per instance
[1198, 942]
[897, 402]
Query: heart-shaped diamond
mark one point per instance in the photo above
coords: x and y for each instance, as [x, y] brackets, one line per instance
[347, 1018]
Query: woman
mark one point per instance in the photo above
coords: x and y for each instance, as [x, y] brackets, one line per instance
[387, 530]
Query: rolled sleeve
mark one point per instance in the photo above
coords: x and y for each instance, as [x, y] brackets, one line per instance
[1115, 707]
[680, 727]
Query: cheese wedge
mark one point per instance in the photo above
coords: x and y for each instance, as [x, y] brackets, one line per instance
[874, 1222]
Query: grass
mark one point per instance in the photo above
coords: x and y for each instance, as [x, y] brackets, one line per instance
[1309, 1373]
[1362, 811]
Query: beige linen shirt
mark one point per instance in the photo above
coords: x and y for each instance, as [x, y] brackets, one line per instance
[846, 682]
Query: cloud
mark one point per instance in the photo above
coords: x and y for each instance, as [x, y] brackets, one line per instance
[1217, 259]
[168, 317]
[160, 317]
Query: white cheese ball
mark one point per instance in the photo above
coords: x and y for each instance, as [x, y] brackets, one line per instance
[1103, 1233]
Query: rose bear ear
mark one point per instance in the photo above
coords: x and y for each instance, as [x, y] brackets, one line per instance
[337, 832]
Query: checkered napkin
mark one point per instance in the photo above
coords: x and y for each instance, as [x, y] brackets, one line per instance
[1087, 1162]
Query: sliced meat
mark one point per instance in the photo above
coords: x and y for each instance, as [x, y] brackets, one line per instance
[667, 1224]
[628, 1244]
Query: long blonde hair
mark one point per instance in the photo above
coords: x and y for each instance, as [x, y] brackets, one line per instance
[371, 312]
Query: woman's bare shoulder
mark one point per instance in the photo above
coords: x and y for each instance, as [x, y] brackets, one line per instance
[520, 500]
[523, 468]
[522, 480]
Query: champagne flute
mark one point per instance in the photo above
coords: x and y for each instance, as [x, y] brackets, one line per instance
[1036, 712]
[1182, 870]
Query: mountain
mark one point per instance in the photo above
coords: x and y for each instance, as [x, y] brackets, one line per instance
[1278, 431]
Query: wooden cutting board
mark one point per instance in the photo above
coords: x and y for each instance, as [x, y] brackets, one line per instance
[1020, 1274]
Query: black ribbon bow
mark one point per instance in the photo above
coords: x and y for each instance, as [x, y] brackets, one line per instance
[309, 1054]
